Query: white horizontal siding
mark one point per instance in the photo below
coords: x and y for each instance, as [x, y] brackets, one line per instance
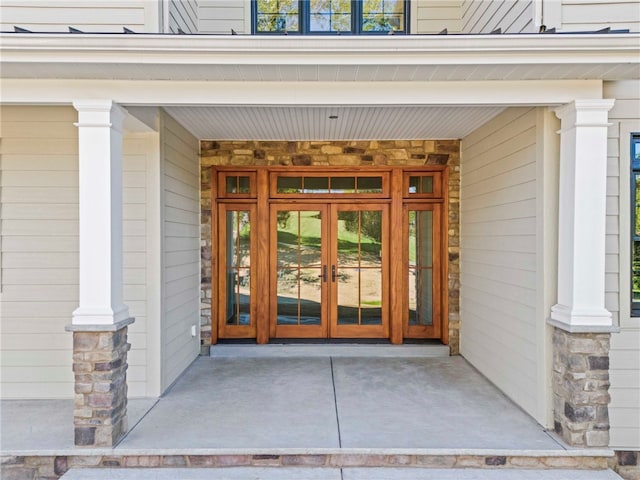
[624, 410]
[181, 248]
[85, 15]
[183, 15]
[498, 259]
[221, 16]
[588, 15]
[39, 269]
[511, 16]
[434, 16]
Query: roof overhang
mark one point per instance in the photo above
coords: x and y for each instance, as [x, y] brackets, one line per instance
[283, 87]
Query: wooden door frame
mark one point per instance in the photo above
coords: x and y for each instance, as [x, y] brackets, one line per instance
[395, 195]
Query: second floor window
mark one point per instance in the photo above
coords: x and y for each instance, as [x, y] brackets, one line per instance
[319, 17]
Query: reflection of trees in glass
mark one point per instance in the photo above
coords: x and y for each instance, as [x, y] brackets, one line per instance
[382, 15]
[277, 15]
[370, 223]
[635, 262]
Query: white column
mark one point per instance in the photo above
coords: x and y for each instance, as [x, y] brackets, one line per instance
[100, 171]
[582, 215]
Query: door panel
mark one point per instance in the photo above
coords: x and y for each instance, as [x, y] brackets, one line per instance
[236, 310]
[359, 300]
[298, 271]
[423, 295]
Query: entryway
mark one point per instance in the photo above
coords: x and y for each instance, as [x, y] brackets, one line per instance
[342, 253]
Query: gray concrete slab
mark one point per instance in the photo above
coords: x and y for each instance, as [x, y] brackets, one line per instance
[244, 403]
[53, 429]
[474, 474]
[233, 473]
[427, 403]
[288, 350]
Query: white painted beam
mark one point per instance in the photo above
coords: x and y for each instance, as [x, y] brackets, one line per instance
[582, 215]
[162, 93]
[100, 188]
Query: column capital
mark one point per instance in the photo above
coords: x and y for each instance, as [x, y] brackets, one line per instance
[585, 113]
[99, 113]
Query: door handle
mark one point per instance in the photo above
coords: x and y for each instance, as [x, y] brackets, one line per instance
[323, 276]
[333, 273]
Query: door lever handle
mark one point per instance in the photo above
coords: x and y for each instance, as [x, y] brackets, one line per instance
[323, 276]
[333, 273]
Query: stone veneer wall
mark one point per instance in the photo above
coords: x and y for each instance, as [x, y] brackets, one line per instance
[581, 387]
[332, 153]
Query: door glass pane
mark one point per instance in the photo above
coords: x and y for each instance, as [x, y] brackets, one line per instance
[420, 267]
[298, 267]
[343, 184]
[238, 263]
[369, 184]
[289, 184]
[359, 268]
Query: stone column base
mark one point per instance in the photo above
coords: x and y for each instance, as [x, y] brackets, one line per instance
[581, 387]
[100, 370]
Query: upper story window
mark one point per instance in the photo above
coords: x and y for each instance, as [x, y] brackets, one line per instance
[320, 17]
[635, 224]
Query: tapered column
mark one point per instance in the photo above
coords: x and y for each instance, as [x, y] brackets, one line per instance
[582, 215]
[99, 324]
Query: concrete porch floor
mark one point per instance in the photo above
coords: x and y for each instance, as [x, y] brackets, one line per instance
[303, 404]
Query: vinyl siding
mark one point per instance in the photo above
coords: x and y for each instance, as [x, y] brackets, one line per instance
[183, 15]
[220, 16]
[434, 16]
[512, 16]
[499, 261]
[181, 248]
[39, 268]
[624, 411]
[580, 15]
[85, 15]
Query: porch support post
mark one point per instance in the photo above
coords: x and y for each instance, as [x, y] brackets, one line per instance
[99, 324]
[582, 215]
[582, 323]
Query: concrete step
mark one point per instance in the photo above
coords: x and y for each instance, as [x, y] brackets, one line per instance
[301, 473]
[278, 350]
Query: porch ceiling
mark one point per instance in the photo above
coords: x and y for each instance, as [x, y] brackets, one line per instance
[316, 123]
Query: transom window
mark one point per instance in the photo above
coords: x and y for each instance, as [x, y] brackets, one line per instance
[319, 17]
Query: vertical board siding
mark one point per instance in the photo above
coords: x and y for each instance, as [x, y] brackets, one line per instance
[183, 15]
[484, 16]
[85, 15]
[589, 15]
[220, 16]
[39, 271]
[624, 410]
[498, 258]
[181, 250]
[435, 16]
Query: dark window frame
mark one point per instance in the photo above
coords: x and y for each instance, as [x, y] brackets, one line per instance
[635, 236]
[305, 16]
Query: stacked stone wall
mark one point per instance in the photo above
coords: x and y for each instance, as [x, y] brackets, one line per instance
[581, 387]
[333, 153]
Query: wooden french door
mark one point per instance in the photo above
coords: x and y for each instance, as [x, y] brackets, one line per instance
[329, 270]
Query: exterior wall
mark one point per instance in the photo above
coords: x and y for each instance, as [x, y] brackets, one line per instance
[624, 410]
[220, 16]
[181, 248]
[85, 15]
[39, 168]
[183, 15]
[429, 16]
[504, 261]
[512, 16]
[387, 152]
[590, 15]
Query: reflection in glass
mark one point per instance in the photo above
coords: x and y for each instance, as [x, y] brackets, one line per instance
[421, 184]
[298, 267]
[330, 15]
[277, 15]
[359, 273]
[238, 263]
[343, 184]
[316, 185]
[420, 267]
[289, 185]
[383, 15]
[369, 184]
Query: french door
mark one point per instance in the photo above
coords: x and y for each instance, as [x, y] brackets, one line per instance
[329, 270]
